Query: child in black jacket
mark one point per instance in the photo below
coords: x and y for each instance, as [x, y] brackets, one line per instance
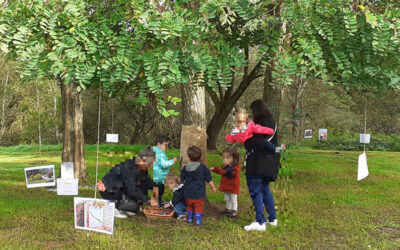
[178, 201]
[195, 175]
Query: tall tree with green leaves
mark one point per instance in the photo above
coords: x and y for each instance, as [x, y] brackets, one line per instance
[81, 44]
[349, 42]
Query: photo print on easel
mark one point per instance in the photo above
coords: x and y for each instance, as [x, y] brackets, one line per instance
[308, 133]
[322, 134]
[42, 176]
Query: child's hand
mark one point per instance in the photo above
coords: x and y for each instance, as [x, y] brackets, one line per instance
[212, 169]
[214, 189]
[175, 159]
[167, 205]
[153, 203]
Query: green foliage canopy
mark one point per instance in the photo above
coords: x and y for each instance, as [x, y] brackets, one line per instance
[343, 42]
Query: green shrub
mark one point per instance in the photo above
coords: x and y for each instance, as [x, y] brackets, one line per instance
[351, 142]
[37, 177]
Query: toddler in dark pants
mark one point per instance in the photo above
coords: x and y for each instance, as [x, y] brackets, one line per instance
[194, 175]
[178, 201]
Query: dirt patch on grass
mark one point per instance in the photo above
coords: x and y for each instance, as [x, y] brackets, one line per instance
[391, 231]
[36, 162]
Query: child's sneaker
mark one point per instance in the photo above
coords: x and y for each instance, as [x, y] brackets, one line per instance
[181, 217]
[233, 214]
[255, 226]
[273, 223]
[130, 213]
[119, 214]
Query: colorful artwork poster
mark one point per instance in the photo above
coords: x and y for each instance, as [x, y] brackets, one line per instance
[323, 134]
[94, 215]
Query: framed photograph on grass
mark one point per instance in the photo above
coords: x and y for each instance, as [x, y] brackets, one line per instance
[43, 176]
[94, 215]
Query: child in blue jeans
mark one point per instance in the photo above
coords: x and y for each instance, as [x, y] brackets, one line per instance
[178, 201]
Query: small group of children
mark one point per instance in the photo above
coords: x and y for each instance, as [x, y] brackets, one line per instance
[189, 193]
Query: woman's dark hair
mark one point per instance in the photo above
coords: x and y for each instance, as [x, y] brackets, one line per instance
[234, 153]
[259, 110]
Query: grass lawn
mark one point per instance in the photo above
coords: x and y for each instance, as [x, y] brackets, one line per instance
[321, 207]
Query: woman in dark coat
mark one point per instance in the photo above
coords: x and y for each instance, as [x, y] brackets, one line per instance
[262, 167]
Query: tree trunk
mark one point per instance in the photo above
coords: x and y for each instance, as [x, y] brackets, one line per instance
[194, 106]
[272, 95]
[194, 121]
[73, 139]
[3, 108]
[39, 127]
[54, 91]
[221, 114]
[225, 102]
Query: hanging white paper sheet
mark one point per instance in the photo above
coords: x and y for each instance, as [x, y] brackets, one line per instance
[43, 176]
[67, 170]
[364, 138]
[362, 167]
[308, 133]
[94, 214]
[112, 138]
[67, 186]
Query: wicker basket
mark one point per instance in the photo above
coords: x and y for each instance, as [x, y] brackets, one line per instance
[156, 212]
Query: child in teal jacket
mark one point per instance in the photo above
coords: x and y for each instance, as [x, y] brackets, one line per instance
[162, 165]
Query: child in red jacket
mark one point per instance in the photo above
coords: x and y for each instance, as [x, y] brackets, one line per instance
[230, 180]
[245, 130]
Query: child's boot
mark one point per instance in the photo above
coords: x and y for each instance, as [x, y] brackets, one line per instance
[190, 216]
[198, 218]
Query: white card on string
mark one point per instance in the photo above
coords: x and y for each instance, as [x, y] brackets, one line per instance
[362, 167]
[67, 187]
[67, 170]
[364, 138]
[112, 138]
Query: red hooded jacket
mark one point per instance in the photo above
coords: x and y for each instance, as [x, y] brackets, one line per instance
[230, 180]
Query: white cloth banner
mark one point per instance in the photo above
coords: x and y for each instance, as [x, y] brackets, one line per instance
[362, 167]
